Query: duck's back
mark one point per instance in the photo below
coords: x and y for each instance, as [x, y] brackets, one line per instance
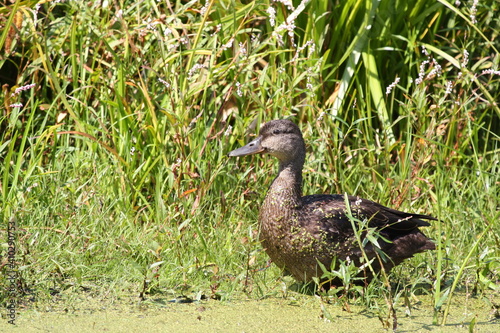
[332, 209]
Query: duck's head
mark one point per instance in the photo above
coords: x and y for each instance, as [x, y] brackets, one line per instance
[279, 138]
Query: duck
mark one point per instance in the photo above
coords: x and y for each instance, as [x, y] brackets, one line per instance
[301, 234]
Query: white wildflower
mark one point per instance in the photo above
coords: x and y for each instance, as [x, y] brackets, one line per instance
[300, 49]
[424, 51]
[289, 25]
[35, 14]
[150, 24]
[421, 72]
[392, 86]
[23, 88]
[195, 68]
[165, 83]
[449, 88]
[29, 188]
[490, 71]
[217, 29]
[473, 12]
[228, 44]
[204, 9]
[238, 89]
[465, 60]
[272, 16]
[243, 49]
[287, 3]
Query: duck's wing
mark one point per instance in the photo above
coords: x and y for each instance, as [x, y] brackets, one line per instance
[332, 209]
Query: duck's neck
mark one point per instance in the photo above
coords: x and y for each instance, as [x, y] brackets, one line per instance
[285, 192]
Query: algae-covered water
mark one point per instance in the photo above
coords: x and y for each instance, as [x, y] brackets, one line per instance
[301, 314]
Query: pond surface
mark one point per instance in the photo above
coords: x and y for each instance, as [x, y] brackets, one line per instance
[296, 314]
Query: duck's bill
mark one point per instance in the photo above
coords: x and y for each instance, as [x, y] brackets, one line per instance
[253, 147]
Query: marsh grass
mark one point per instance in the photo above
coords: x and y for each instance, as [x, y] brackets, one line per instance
[115, 165]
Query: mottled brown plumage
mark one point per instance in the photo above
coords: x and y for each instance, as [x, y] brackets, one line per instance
[298, 231]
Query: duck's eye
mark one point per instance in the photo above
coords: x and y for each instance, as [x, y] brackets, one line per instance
[276, 131]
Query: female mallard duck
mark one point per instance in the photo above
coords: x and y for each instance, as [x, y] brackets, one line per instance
[298, 232]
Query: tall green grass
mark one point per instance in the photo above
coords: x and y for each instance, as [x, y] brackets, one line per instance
[115, 166]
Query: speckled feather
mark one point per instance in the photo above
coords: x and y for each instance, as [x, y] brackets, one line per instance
[297, 231]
